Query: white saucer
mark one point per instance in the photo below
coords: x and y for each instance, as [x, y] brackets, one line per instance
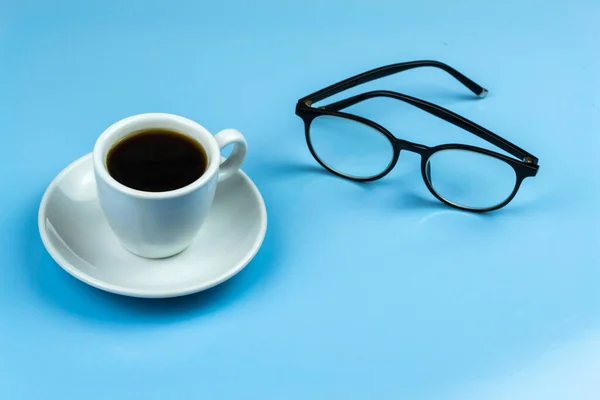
[79, 239]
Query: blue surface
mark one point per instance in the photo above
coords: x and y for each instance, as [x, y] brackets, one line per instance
[374, 291]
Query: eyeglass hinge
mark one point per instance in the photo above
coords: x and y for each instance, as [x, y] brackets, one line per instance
[308, 103]
[528, 160]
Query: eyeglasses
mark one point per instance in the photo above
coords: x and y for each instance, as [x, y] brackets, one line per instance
[462, 176]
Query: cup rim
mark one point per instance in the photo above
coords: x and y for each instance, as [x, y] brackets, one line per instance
[186, 127]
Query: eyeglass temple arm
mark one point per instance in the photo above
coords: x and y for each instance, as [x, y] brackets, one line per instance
[444, 114]
[390, 70]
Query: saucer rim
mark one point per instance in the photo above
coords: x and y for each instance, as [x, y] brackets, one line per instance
[144, 293]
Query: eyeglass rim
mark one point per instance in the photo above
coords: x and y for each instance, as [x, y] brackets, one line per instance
[473, 149]
[522, 170]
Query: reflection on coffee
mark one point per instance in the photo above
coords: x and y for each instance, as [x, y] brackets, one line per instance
[156, 160]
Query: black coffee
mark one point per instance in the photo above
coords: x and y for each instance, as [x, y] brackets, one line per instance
[156, 160]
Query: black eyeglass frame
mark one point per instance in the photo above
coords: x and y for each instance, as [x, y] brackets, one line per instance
[526, 165]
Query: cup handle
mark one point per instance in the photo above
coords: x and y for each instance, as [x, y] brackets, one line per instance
[236, 158]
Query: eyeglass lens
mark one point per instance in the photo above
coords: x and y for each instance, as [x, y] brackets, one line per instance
[349, 147]
[470, 179]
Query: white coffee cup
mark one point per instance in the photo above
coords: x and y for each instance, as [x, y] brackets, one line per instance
[162, 224]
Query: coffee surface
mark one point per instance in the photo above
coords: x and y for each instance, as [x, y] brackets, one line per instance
[156, 160]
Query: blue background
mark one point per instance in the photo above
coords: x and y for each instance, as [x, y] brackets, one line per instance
[359, 291]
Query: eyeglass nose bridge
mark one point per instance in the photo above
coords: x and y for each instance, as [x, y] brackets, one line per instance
[401, 144]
